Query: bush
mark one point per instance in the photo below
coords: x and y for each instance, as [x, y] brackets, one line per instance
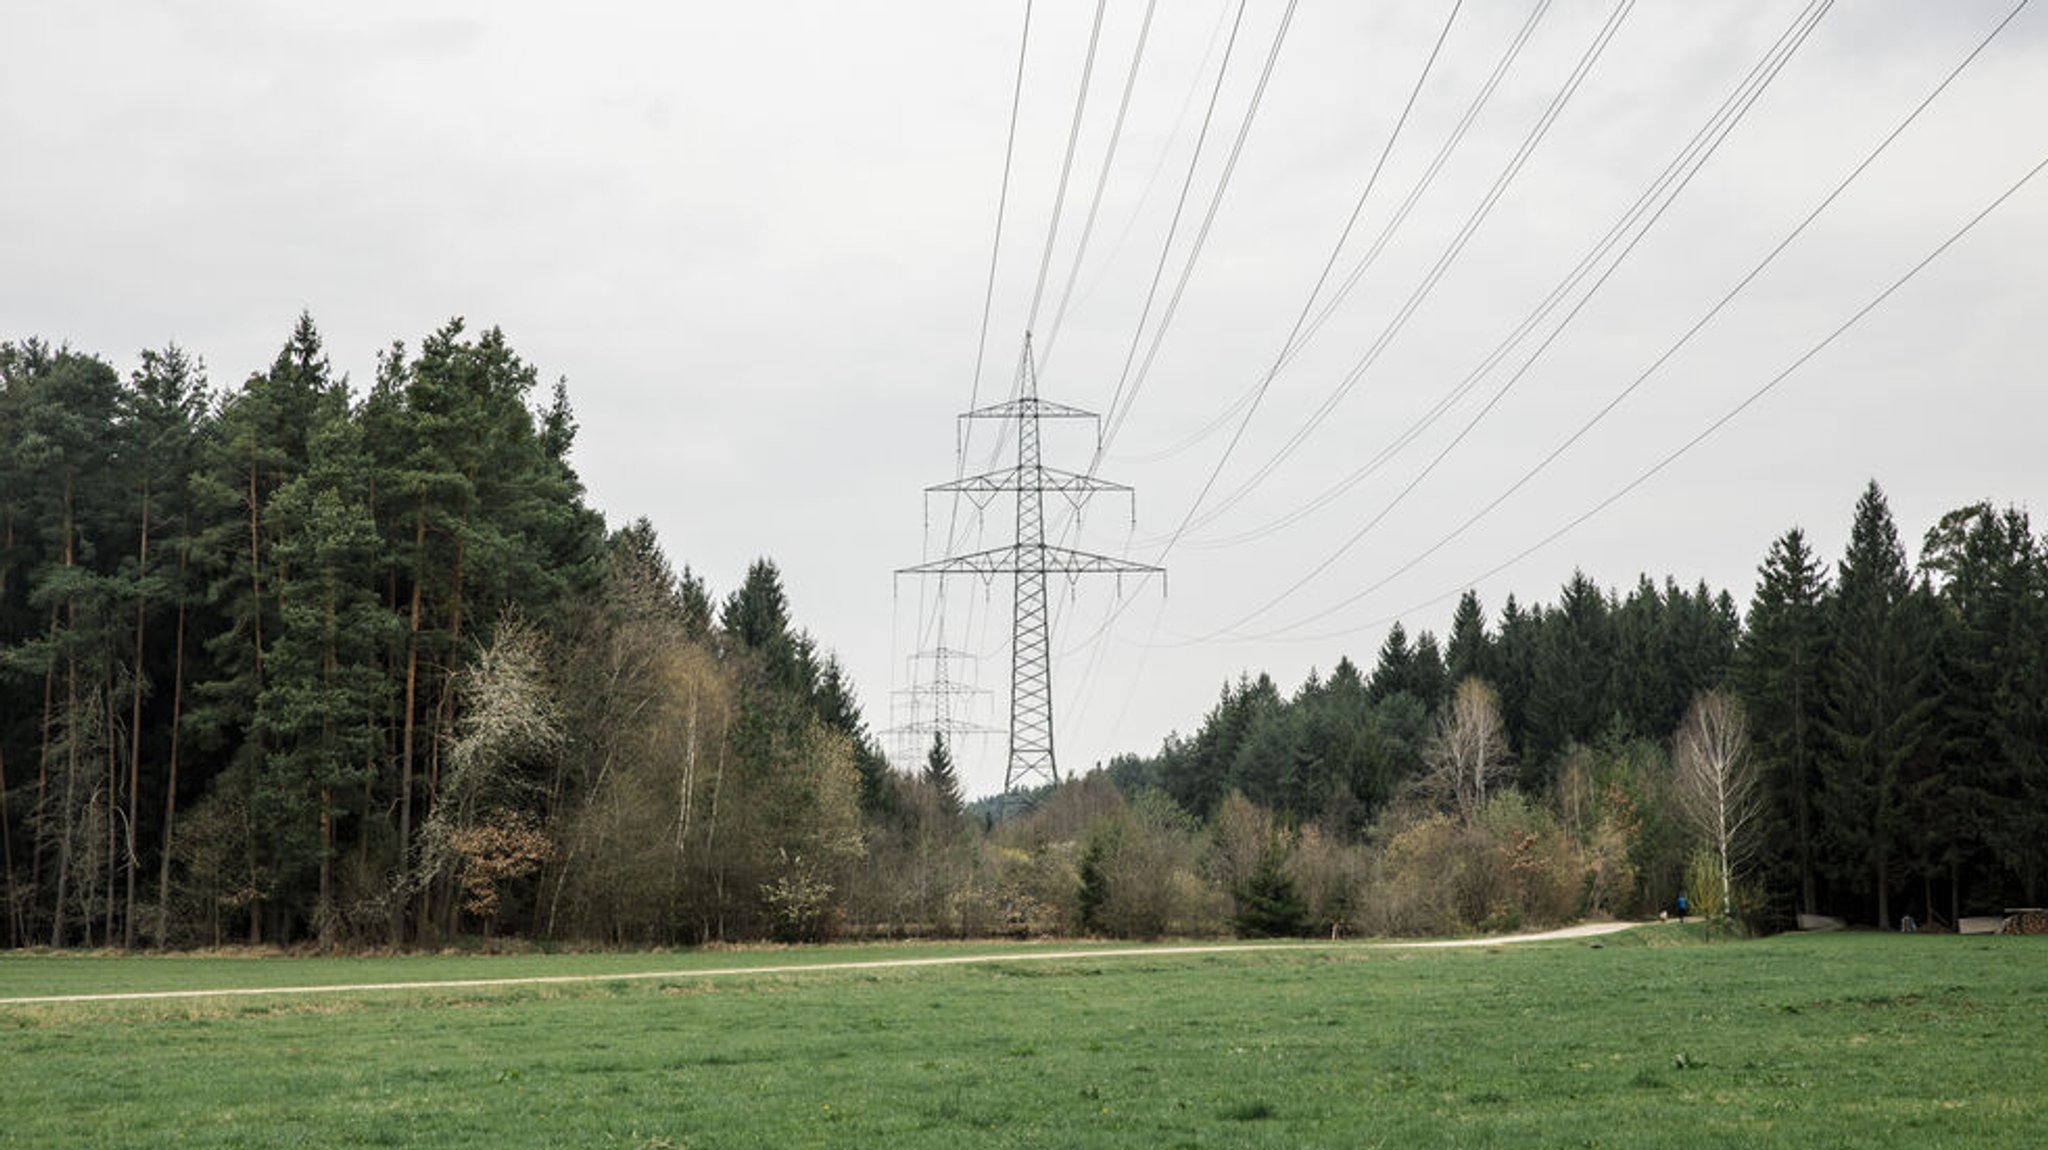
[1137, 875]
[1268, 905]
[1510, 865]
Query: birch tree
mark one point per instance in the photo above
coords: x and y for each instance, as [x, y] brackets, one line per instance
[1717, 782]
[1468, 756]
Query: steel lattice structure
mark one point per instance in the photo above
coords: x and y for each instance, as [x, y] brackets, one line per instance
[1030, 559]
[935, 693]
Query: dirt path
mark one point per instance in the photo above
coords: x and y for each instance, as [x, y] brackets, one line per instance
[1584, 930]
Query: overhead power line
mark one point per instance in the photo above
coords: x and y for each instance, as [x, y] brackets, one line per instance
[1727, 417]
[1336, 250]
[1634, 224]
[1116, 135]
[1116, 418]
[1180, 205]
[1002, 208]
[1685, 338]
[1059, 198]
[1473, 221]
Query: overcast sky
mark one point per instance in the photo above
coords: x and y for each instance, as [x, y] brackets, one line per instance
[756, 238]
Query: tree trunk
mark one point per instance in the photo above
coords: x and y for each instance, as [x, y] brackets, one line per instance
[64, 821]
[1884, 894]
[64, 827]
[256, 578]
[412, 679]
[163, 876]
[14, 936]
[1809, 891]
[113, 802]
[325, 914]
[255, 880]
[135, 719]
[39, 832]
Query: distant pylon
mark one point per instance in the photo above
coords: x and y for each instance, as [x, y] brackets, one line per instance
[1030, 559]
[932, 701]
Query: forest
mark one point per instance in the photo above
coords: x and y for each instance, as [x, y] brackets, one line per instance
[288, 664]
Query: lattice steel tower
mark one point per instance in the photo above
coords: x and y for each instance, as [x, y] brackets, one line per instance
[935, 700]
[1030, 559]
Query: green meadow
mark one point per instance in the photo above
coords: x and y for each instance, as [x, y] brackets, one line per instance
[1650, 1038]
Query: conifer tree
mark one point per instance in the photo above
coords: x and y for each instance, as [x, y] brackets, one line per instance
[64, 412]
[1993, 721]
[1569, 696]
[939, 773]
[163, 408]
[259, 444]
[318, 702]
[1469, 653]
[1880, 703]
[1426, 673]
[1779, 675]
[1395, 670]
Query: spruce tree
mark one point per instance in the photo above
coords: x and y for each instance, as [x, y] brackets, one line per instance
[1993, 724]
[1880, 704]
[940, 775]
[1427, 679]
[1395, 670]
[1569, 695]
[1470, 650]
[1778, 674]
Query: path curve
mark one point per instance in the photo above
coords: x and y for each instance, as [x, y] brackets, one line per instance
[1583, 930]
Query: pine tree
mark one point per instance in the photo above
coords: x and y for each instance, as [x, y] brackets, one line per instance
[1395, 670]
[259, 444]
[1569, 696]
[318, 703]
[163, 409]
[940, 775]
[1643, 672]
[1514, 661]
[1993, 722]
[64, 410]
[1426, 673]
[1779, 675]
[1470, 650]
[1880, 703]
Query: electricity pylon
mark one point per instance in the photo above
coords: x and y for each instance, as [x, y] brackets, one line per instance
[931, 701]
[1030, 559]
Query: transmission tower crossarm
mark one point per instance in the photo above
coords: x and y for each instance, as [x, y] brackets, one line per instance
[1026, 560]
[1016, 479]
[1029, 407]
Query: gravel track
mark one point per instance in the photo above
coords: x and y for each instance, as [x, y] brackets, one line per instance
[1584, 930]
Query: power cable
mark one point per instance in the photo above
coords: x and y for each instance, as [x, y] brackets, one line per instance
[1472, 223]
[1116, 417]
[1726, 418]
[1662, 192]
[1689, 333]
[1002, 208]
[1336, 250]
[1059, 198]
[1297, 339]
[1594, 50]
[1116, 133]
[1187, 187]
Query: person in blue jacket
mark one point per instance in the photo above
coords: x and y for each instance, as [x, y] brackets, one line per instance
[1681, 908]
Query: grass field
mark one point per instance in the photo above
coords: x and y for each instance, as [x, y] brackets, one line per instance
[1650, 1039]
